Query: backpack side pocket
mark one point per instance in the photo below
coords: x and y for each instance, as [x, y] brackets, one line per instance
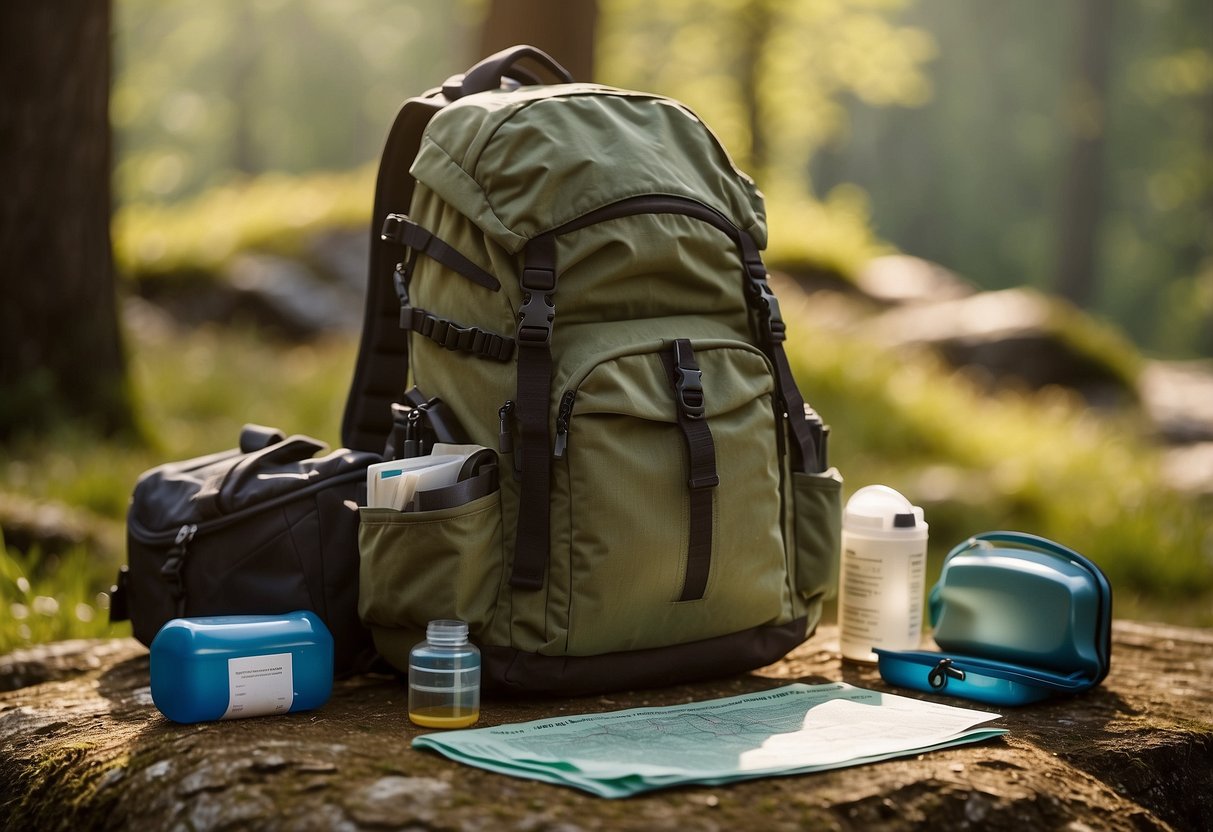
[817, 499]
[418, 566]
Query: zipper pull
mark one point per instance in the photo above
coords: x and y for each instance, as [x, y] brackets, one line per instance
[174, 564]
[505, 433]
[184, 535]
[414, 440]
[562, 424]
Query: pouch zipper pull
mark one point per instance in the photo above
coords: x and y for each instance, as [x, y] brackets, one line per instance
[414, 444]
[562, 424]
[505, 432]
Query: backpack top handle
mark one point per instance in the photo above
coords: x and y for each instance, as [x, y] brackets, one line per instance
[488, 73]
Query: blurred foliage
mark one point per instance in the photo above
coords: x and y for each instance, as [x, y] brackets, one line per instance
[207, 91]
[1038, 462]
[767, 76]
[272, 212]
[973, 178]
[770, 78]
[940, 127]
[49, 599]
[207, 95]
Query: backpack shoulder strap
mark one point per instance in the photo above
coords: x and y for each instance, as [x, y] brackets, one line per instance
[381, 370]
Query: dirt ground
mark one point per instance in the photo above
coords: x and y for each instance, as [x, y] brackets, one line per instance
[82, 747]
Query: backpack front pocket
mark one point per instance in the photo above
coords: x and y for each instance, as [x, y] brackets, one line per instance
[667, 507]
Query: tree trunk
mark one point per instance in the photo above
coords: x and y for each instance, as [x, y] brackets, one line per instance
[60, 348]
[1083, 183]
[754, 32]
[562, 28]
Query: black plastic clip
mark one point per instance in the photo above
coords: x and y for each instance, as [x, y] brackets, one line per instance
[538, 310]
[688, 384]
[939, 675]
[763, 300]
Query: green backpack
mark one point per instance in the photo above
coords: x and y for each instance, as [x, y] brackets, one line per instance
[579, 284]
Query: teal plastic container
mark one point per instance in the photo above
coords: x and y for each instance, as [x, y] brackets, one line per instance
[1017, 618]
[236, 666]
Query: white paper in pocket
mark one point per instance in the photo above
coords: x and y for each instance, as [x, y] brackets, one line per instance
[392, 484]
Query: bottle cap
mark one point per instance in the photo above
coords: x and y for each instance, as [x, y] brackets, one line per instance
[446, 631]
[881, 511]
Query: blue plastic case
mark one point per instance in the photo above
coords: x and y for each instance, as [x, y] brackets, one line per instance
[235, 666]
[1017, 618]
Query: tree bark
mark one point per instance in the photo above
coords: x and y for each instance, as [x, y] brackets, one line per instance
[60, 347]
[1083, 181]
[563, 28]
[755, 32]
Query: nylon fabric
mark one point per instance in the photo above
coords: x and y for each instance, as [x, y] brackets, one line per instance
[516, 177]
[596, 465]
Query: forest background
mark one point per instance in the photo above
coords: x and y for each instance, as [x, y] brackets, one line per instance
[1060, 146]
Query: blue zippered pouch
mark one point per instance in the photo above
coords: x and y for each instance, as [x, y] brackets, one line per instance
[1018, 618]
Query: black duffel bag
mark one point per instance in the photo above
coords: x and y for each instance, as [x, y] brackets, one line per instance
[265, 528]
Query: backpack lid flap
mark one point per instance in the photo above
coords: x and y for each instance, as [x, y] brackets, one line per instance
[521, 162]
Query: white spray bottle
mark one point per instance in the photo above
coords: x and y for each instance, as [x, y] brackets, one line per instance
[881, 582]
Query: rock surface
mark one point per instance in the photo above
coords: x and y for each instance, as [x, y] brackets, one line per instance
[87, 750]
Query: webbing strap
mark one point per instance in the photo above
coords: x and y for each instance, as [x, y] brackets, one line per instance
[382, 368]
[534, 343]
[701, 454]
[447, 333]
[772, 332]
[459, 494]
[399, 229]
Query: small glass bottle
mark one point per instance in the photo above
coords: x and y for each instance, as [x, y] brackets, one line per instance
[444, 677]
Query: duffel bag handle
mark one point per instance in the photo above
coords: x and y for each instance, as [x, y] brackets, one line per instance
[255, 437]
[488, 73]
[208, 500]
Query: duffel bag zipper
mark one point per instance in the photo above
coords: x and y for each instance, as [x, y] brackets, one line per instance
[155, 538]
[174, 562]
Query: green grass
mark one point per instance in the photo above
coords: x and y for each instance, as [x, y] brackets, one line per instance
[195, 390]
[50, 599]
[274, 212]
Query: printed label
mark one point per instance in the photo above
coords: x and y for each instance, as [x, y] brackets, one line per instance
[259, 685]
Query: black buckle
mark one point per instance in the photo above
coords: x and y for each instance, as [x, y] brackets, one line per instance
[399, 229]
[535, 319]
[688, 384]
[393, 228]
[763, 300]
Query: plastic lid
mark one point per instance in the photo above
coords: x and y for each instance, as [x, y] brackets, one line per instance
[446, 632]
[878, 509]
